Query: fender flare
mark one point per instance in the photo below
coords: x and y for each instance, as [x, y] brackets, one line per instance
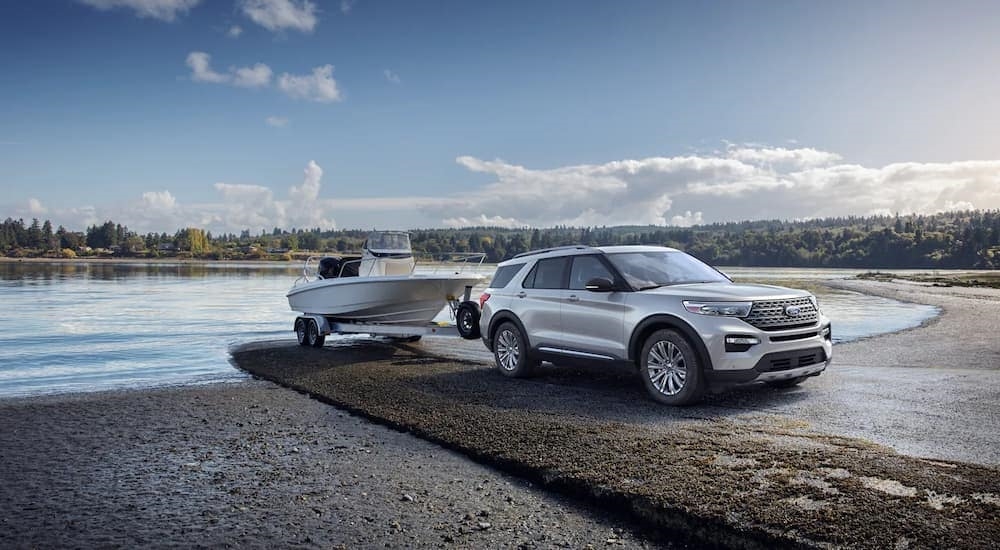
[502, 316]
[666, 320]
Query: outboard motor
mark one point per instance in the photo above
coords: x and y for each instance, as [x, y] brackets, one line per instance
[329, 268]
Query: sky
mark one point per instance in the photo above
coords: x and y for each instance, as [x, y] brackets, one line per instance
[254, 114]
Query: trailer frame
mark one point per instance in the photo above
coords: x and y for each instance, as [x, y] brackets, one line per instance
[312, 328]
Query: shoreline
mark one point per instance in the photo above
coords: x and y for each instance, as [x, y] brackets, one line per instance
[955, 338]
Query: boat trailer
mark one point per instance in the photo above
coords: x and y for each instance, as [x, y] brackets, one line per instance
[311, 329]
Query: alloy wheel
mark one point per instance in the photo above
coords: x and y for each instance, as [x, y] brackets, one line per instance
[508, 350]
[666, 367]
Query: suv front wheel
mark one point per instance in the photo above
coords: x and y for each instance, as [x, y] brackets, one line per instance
[510, 350]
[670, 369]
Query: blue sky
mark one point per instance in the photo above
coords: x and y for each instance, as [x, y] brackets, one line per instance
[160, 114]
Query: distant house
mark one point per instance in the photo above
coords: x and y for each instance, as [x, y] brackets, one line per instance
[277, 250]
[166, 247]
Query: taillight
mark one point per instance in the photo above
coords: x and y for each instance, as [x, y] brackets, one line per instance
[482, 299]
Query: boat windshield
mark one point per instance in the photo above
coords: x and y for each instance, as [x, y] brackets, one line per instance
[389, 242]
[645, 270]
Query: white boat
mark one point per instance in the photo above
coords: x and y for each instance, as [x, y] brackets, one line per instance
[380, 286]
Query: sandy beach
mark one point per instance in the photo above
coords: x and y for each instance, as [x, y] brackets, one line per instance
[441, 451]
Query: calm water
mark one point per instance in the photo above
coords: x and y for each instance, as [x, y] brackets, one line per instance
[90, 326]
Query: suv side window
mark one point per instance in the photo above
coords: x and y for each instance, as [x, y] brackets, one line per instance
[586, 268]
[504, 274]
[547, 273]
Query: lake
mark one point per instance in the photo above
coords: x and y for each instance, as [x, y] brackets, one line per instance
[85, 326]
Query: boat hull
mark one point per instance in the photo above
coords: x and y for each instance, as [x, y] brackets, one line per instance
[412, 299]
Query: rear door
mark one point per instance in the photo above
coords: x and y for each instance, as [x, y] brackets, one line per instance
[539, 300]
[593, 322]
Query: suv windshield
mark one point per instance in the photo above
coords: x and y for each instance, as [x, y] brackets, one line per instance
[645, 270]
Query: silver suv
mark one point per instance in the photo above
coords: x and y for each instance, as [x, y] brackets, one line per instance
[683, 324]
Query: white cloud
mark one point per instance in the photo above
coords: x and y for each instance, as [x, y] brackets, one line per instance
[234, 31]
[35, 207]
[276, 121]
[801, 158]
[164, 10]
[318, 86]
[201, 70]
[746, 182]
[391, 76]
[347, 5]
[482, 221]
[687, 219]
[257, 76]
[161, 200]
[280, 15]
[254, 206]
[251, 77]
[680, 191]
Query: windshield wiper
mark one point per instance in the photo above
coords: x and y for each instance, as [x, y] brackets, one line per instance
[650, 287]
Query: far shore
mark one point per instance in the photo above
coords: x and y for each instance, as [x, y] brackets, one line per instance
[159, 260]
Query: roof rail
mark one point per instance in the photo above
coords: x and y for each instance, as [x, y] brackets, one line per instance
[553, 249]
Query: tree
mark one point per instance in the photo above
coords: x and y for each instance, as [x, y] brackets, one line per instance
[34, 234]
[49, 241]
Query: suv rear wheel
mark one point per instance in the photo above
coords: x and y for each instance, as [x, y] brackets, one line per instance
[670, 369]
[511, 352]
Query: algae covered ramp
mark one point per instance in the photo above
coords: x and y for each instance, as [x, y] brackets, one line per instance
[693, 472]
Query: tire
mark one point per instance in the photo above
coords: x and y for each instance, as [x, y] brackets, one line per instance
[791, 382]
[313, 337]
[300, 332]
[670, 369]
[510, 350]
[467, 319]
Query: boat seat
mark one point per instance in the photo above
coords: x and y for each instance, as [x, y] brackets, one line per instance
[329, 268]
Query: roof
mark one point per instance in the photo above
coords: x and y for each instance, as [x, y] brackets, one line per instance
[579, 249]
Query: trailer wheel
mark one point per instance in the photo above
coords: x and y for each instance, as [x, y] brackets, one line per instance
[315, 339]
[467, 319]
[300, 332]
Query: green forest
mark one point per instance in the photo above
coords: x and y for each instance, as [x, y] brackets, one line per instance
[964, 240]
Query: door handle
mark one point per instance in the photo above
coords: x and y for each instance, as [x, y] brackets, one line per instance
[522, 294]
[573, 298]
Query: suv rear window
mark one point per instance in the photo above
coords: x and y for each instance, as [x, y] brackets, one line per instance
[504, 275]
[548, 273]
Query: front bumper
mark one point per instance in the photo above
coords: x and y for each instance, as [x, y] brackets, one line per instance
[757, 374]
[780, 355]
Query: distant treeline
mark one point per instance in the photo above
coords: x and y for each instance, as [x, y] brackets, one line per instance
[967, 239]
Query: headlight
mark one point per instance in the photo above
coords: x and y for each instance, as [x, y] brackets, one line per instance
[724, 309]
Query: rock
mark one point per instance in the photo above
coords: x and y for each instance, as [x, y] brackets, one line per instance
[406, 498]
[484, 525]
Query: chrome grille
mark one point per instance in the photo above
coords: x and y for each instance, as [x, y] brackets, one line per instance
[770, 314]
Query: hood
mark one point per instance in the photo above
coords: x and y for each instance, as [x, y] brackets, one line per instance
[727, 292]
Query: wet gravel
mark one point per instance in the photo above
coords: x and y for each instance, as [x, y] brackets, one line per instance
[703, 474]
[255, 465]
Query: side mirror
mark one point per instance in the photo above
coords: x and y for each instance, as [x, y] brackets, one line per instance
[600, 284]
